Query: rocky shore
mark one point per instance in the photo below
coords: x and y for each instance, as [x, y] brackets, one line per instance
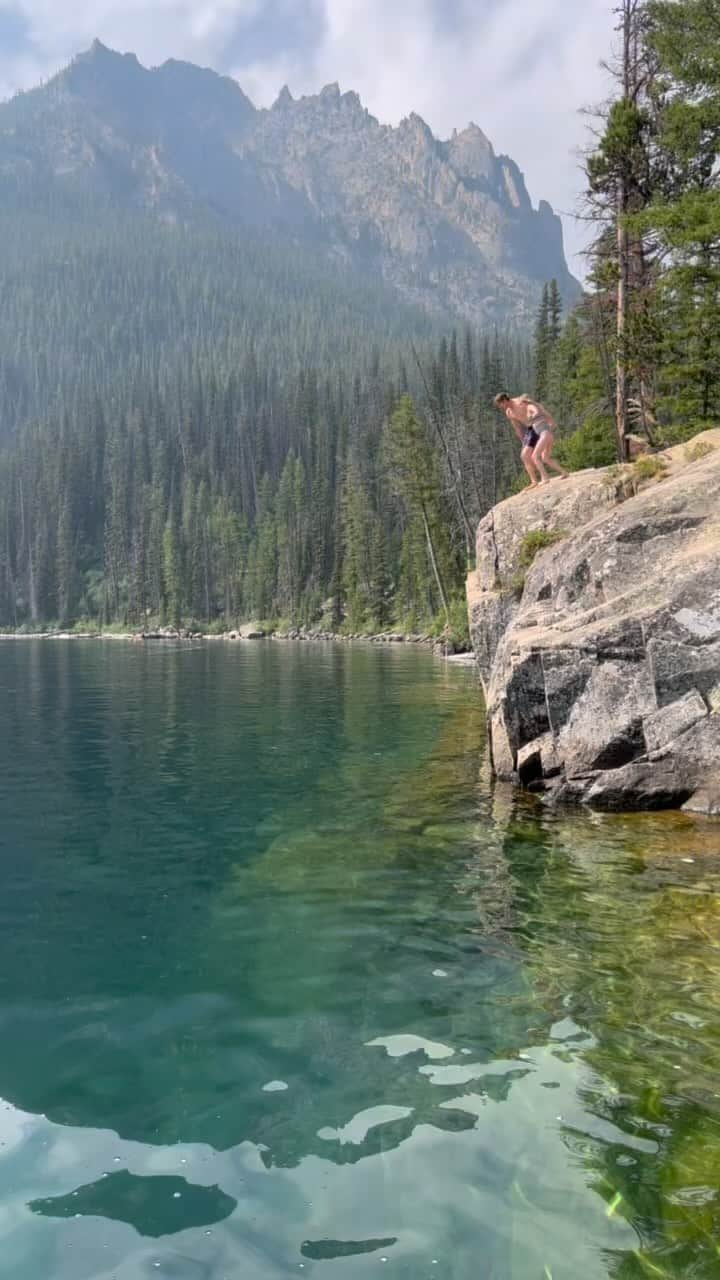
[595, 618]
[248, 632]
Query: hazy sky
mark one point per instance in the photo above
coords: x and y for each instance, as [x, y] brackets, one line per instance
[521, 69]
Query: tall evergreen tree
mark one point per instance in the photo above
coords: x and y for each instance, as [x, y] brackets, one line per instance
[542, 346]
[685, 215]
[415, 475]
[623, 175]
[554, 316]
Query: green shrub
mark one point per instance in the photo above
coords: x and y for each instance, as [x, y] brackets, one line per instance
[457, 631]
[411, 624]
[459, 622]
[592, 445]
[651, 467]
[116, 628]
[683, 432]
[536, 541]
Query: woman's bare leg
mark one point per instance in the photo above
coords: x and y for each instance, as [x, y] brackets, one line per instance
[542, 456]
[529, 465]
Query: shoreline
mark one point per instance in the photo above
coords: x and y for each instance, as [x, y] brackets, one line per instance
[250, 635]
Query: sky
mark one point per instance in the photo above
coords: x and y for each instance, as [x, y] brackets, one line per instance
[520, 69]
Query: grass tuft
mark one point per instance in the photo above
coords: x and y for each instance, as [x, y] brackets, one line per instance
[652, 467]
[700, 449]
[538, 540]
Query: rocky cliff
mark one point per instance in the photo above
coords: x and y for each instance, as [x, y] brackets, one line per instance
[448, 224]
[595, 616]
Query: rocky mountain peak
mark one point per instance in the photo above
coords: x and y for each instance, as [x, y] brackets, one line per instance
[100, 53]
[108, 85]
[418, 128]
[283, 100]
[471, 154]
[329, 109]
[202, 88]
[449, 224]
[105, 63]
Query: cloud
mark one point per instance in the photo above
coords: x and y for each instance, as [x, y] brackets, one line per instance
[519, 69]
[154, 29]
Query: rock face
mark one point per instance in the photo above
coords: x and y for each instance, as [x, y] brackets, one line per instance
[601, 660]
[449, 225]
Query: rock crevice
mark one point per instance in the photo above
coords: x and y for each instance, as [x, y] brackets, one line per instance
[601, 669]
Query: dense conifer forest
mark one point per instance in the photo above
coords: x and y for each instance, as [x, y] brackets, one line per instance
[204, 425]
[219, 449]
[197, 429]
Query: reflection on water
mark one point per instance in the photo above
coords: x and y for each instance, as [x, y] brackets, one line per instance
[154, 1206]
[286, 986]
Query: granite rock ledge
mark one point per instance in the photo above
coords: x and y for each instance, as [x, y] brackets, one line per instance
[601, 661]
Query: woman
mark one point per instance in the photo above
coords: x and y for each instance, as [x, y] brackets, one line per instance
[544, 425]
[515, 410]
[536, 428]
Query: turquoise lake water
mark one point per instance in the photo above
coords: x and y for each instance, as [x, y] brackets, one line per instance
[287, 988]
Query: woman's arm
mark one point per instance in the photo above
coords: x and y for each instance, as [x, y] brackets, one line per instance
[515, 424]
[546, 415]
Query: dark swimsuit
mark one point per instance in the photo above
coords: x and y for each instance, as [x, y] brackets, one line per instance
[535, 429]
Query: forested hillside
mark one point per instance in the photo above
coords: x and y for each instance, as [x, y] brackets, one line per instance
[197, 429]
[194, 427]
[94, 300]
[208, 419]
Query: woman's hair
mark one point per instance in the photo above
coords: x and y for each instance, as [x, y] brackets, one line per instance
[501, 399]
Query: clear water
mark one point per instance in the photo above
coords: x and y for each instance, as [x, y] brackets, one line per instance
[286, 988]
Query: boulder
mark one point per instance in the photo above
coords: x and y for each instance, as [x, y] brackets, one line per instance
[663, 726]
[706, 798]
[600, 656]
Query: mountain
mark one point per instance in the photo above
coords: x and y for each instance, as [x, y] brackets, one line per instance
[447, 225]
[209, 315]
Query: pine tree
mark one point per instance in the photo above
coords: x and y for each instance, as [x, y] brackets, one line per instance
[379, 600]
[172, 576]
[357, 537]
[554, 314]
[685, 37]
[543, 342]
[413, 469]
[65, 570]
[624, 173]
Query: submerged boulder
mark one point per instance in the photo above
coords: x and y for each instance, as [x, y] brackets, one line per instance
[595, 620]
